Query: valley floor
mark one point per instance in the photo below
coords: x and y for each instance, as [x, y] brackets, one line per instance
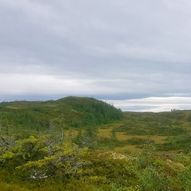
[141, 152]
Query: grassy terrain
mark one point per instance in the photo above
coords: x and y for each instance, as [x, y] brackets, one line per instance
[83, 144]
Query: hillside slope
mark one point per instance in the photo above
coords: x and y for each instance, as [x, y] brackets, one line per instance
[67, 112]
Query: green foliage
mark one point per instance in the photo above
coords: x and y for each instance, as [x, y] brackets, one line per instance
[185, 178]
[37, 151]
[53, 115]
[182, 142]
[151, 179]
[39, 158]
[153, 124]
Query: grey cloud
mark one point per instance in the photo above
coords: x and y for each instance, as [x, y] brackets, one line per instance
[106, 47]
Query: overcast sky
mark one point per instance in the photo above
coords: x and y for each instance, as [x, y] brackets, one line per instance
[109, 49]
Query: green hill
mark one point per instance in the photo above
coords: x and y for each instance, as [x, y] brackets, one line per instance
[67, 112]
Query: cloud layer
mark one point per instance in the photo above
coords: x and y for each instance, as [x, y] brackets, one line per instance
[104, 48]
[153, 104]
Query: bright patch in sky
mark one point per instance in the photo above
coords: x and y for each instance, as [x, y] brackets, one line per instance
[153, 104]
